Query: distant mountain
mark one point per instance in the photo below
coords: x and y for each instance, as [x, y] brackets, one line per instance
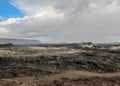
[18, 41]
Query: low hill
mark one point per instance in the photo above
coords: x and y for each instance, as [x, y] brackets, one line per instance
[18, 41]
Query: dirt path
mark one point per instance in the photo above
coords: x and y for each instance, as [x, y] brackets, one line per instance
[71, 75]
[74, 74]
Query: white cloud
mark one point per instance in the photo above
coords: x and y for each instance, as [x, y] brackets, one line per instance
[71, 21]
[3, 32]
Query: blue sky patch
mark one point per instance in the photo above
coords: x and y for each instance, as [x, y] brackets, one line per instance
[7, 10]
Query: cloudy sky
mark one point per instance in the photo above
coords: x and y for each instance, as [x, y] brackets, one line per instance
[61, 20]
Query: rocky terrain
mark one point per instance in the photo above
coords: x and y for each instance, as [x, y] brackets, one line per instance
[59, 66]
